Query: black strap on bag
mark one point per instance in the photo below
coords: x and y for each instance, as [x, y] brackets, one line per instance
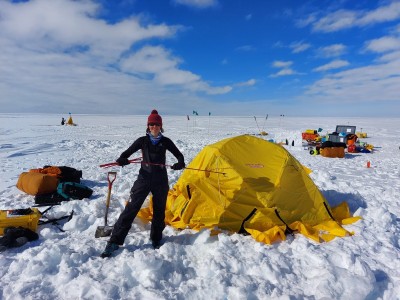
[54, 221]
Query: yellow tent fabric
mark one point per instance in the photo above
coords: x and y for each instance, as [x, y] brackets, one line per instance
[70, 122]
[254, 186]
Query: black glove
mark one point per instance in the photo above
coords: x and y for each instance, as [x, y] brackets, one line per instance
[122, 161]
[178, 166]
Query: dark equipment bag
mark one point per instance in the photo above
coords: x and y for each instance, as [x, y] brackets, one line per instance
[68, 174]
[49, 199]
[74, 190]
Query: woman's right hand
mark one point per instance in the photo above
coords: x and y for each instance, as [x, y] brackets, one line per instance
[122, 161]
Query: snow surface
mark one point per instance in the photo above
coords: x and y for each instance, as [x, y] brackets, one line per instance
[195, 265]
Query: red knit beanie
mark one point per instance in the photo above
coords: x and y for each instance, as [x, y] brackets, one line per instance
[154, 117]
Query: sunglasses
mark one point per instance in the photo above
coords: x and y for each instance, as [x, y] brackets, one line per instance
[154, 124]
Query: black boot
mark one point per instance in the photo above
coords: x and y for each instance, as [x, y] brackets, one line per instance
[110, 248]
[156, 244]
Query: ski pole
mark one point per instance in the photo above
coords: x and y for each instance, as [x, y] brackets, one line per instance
[257, 124]
[265, 121]
[107, 165]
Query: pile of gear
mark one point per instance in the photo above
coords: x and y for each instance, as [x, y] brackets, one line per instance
[50, 185]
[335, 143]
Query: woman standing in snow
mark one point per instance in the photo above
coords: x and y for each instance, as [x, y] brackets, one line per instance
[152, 178]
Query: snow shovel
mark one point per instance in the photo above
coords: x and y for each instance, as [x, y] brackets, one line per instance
[106, 230]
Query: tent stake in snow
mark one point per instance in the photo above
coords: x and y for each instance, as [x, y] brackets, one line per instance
[105, 230]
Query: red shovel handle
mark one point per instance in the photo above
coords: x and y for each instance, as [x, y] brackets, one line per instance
[111, 178]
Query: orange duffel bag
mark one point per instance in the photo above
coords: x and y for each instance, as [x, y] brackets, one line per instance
[34, 183]
[332, 152]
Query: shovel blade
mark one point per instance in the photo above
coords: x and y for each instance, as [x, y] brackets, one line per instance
[103, 231]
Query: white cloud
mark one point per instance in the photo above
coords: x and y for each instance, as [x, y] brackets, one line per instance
[245, 48]
[336, 21]
[391, 56]
[332, 50]
[197, 3]
[160, 64]
[283, 72]
[249, 82]
[336, 64]
[378, 82]
[383, 44]
[248, 17]
[58, 54]
[149, 60]
[299, 47]
[63, 25]
[343, 19]
[286, 70]
[381, 14]
[281, 64]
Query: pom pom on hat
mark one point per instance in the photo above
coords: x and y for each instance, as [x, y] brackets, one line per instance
[154, 117]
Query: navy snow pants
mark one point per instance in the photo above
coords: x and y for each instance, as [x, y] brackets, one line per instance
[140, 190]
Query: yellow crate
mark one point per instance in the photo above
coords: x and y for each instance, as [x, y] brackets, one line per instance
[312, 131]
[26, 221]
[361, 135]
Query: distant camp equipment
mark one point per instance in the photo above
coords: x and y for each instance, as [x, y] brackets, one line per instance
[262, 132]
[332, 149]
[266, 193]
[310, 135]
[70, 121]
[361, 135]
[341, 134]
[106, 230]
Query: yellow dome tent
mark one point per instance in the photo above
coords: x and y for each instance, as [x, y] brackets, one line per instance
[70, 121]
[252, 186]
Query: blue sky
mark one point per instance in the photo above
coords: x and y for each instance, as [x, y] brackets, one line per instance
[227, 57]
